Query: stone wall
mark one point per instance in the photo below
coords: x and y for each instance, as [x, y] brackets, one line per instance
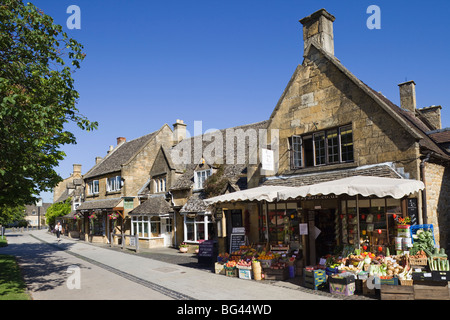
[437, 179]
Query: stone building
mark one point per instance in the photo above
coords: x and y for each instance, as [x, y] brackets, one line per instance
[331, 125]
[172, 200]
[113, 183]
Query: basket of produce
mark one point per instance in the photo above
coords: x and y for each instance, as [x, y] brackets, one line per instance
[404, 282]
[419, 259]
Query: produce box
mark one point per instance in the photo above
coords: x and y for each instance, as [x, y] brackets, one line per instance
[219, 268]
[314, 279]
[330, 271]
[343, 289]
[440, 275]
[362, 288]
[388, 292]
[314, 273]
[389, 281]
[422, 276]
[276, 274]
[341, 280]
[245, 273]
[431, 290]
[231, 272]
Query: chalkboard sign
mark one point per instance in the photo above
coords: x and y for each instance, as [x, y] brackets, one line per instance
[207, 252]
[237, 240]
[206, 249]
[412, 210]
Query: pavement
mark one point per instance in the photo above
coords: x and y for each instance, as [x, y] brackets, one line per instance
[76, 270]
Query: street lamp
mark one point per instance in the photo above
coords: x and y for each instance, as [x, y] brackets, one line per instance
[39, 205]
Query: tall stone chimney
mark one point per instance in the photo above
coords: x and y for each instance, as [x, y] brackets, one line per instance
[432, 115]
[408, 96]
[179, 131]
[121, 140]
[76, 170]
[318, 28]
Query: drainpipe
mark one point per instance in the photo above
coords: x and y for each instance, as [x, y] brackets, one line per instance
[424, 191]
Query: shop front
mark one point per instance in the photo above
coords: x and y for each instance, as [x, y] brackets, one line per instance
[152, 221]
[100, 218]
[358, 235]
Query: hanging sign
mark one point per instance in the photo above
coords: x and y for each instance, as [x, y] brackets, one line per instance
[267, 159]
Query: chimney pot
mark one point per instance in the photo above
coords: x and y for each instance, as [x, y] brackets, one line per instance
[179, 131]
[98, 160]
[77, 170]
[318, 28]
[121, 140]
[408, 96]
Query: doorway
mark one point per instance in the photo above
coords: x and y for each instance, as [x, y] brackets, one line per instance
[322, 234]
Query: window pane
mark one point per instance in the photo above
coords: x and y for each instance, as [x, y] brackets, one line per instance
[333, 146]
[319, 148]
[347, 144]
[296, 151]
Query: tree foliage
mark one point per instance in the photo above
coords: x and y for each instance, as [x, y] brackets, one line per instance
[57, 210]
[10, 215]
[37, 100]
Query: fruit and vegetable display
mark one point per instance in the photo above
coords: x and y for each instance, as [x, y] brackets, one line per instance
[423, 240]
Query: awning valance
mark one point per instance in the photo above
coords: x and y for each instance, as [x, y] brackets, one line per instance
[263, 193]
[358, 185]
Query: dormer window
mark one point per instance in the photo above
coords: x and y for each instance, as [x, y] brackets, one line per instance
[200, 178]
[160, 184]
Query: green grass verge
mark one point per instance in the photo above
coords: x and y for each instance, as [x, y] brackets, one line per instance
[12, 286]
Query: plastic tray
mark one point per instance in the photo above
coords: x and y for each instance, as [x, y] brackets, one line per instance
[416, 227]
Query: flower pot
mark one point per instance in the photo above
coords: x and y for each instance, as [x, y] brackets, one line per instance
[183, 249]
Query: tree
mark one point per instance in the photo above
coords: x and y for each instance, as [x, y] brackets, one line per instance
[57, 210]
[37, 100]
[10, 215]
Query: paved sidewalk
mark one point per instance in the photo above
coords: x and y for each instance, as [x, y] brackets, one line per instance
[111, 274]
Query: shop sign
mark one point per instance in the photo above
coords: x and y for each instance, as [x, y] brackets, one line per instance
[267, 159]
[128, 203]
[322, 197]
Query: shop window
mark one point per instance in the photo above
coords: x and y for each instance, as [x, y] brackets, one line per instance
[198, 228]
[322, 148]
[375, 225]
[146, 227]
[281, 224]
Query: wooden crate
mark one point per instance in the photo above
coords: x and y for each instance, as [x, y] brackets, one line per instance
[390, 292]
[276, 274]
[431, 290]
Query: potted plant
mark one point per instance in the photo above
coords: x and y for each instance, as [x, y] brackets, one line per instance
[184, 247]
[196, 249]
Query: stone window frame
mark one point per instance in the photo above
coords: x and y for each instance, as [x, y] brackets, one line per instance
[298, 156]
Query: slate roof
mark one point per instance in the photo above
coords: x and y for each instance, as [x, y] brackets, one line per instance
[120, 155]
[195, 203]
[377, 170]
[232, 171]
[154, 205]
[99, 204]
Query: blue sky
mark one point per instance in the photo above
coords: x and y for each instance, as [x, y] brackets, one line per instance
[227, 63]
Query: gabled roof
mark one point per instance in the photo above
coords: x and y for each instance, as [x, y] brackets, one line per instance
[232, 171]
[406, 119]
[119, 156]
[154, 205]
